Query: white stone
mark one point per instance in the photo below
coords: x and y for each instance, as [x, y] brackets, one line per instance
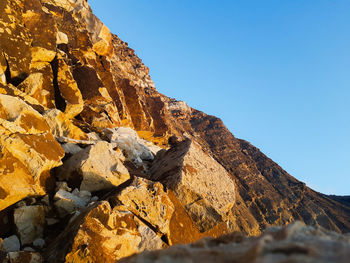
[128, 140]
[11, 244]
[30, 221]
[99, 165]
[62, 38]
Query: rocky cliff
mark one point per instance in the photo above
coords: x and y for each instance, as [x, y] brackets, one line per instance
[96, 165]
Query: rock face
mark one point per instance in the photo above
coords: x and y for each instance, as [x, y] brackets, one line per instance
[148, 201]
[295, 243]
[200, 183]
[96, 165]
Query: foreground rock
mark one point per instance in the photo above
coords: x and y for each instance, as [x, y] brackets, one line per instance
[295, 243]
[103, 234]
[200, 183]
[148, 201]
[28, 151]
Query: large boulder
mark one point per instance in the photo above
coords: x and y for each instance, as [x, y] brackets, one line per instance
[149, 201]
[29, 221]
[102, 234]
[62, 126]
[200, 183]
[98, 166]
[28, 151]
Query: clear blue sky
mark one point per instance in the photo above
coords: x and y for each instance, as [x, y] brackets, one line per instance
[276, 72]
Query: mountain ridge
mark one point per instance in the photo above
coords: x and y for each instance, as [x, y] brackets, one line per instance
[92, 153]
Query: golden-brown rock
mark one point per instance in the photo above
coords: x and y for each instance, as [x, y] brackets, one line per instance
[148, 201]
[28, 150]
[68, 89]
[102, 235]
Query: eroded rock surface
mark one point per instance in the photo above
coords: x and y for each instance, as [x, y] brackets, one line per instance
[111, 167]
[200, 183]
[28, 151]
[104, 234]
[294, 243]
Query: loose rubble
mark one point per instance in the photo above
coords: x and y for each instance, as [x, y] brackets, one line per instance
[294, 243]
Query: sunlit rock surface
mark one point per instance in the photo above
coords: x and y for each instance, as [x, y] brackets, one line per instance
[96, 165]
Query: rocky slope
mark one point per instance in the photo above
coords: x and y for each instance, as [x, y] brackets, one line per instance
[96, 165]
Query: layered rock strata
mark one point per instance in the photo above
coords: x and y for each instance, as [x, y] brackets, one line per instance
[96, 165]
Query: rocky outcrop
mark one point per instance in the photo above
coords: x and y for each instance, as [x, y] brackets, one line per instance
[96, 165]
[201, 184]
[295, 243]
[148, 201]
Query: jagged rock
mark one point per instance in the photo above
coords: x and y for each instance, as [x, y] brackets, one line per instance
[40, 54]
[128, 140]
[295, 243]
[62, 126]
[101, 234]
[68, 89]
[55, 54]
[103, 46]
[71, 148]
[28, 151]
[99, 166]
[36, 90]
[11, 90]
[29, 221]
[62, 38]
[46, 94]
[3, 67]
[15, 39]
[67, 203]
[149, 239]
[148, 201]
[200, 183]
[105, 236]
[11, 244]
[24, 256]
